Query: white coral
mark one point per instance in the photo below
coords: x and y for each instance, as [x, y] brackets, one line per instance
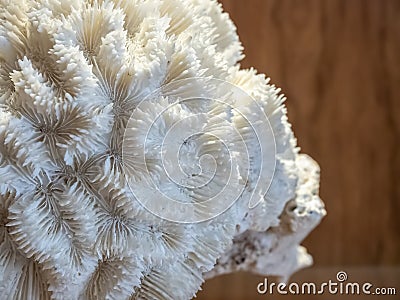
[134, 153]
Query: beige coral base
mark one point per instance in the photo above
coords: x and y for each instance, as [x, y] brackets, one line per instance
[277, 251]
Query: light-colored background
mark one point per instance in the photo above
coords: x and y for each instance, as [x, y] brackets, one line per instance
[338, 63]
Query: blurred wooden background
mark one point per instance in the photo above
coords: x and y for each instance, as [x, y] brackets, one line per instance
[338, 63]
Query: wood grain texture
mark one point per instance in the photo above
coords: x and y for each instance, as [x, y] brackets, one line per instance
[338, 63]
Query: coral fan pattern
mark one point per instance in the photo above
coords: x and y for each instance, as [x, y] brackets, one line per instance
[119, 121]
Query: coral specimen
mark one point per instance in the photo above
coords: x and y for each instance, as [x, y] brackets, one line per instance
[134, 153]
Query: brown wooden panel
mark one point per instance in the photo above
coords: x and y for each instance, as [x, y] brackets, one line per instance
[338, 62]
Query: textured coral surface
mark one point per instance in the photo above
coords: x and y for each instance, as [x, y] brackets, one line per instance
[136, 157]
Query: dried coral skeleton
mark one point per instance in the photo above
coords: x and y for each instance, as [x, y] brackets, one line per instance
[119, 121]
